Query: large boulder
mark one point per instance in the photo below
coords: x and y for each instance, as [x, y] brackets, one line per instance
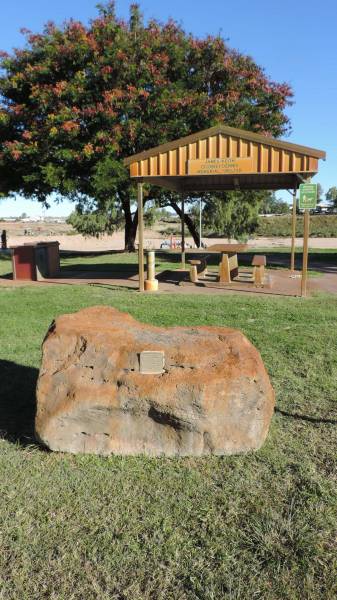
[204, 390]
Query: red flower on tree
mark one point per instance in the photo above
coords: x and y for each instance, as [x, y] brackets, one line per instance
[82, 97]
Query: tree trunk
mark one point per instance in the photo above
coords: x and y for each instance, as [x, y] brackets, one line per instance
[131, 225]
[130, 236]
[188, 222]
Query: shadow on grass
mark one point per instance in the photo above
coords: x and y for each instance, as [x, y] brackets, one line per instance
[87, 253]
[321, 262]
[174, 277]
[17, 402]
[299, 417]
[5, 263]
[113, 287]
[94, 269]
[112, 270]
[99, 271]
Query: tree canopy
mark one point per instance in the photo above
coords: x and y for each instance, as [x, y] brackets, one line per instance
[233, 214]
[320, 192]
[77, 99]
[270, 204]
[331, 196]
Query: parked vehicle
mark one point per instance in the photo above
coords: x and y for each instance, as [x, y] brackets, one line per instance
[166, 245]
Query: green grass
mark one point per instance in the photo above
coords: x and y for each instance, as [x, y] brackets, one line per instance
[259, 526]
[124, 264]
[5, 265]
[121, 263]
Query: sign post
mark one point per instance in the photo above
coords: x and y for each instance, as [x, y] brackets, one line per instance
[307, 201]
[140, 236]
[183, 232]
[293, 235]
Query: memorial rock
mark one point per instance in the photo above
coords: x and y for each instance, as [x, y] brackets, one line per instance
[111, 385]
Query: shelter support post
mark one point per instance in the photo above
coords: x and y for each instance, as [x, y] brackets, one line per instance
[200, 221]
[183, 265]
[293, 234]
[305, 253]
[140, 237]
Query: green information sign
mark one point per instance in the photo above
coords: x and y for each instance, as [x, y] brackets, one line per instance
[308, 195]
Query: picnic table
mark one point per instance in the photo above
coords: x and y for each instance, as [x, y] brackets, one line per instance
[228, 264]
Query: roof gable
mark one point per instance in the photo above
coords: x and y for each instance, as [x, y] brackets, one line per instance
[232, 132]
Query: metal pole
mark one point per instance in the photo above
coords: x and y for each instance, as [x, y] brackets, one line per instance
[293, 234]
[200, 211]
[305, 253]
[183, 232]
[140, 237]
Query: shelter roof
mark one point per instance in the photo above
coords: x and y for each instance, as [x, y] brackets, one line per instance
[223, 157]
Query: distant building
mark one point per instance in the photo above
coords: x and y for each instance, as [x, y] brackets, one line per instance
[31, 219]
[324, 207]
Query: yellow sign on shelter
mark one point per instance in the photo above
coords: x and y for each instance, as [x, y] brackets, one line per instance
[220, 166]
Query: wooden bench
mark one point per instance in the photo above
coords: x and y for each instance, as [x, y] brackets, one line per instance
[228, 267]
[259, 262]
[198, 268]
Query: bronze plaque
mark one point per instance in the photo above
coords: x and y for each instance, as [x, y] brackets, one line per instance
[151, 362]
[219, 166]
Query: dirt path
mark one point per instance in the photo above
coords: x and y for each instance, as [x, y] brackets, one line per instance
[19, 232]
[153, 240]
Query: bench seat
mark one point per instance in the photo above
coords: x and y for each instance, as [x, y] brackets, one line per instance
[259, 262]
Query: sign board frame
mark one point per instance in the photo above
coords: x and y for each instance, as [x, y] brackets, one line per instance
[308, 196]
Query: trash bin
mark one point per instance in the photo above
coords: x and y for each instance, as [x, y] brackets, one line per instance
[41, 261]
[47, 259]
[53, 259]
[36, 261]
[23, 261]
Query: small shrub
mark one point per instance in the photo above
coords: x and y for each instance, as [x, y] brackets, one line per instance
[320, 226]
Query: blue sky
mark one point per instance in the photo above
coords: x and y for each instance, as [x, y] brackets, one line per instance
[295, 41]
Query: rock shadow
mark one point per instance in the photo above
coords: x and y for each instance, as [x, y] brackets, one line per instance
[17, 402]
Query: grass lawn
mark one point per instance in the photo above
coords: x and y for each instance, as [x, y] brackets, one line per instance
[124, 263]
[277, 258]
[259, 526]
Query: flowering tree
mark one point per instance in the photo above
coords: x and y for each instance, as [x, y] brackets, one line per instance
[76, 100]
